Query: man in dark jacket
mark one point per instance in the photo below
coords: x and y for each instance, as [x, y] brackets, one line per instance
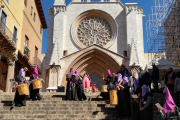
[144, 78]
[125, 71]
[155, 76]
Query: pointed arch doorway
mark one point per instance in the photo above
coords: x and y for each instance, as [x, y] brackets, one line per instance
[95, 62]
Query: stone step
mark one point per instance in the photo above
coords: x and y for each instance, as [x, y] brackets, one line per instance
[6, 103]
[53, 106]
[64, 112]
[7, 109]
[58, 103]
[67, 119]
[51, 94]
[57, 116]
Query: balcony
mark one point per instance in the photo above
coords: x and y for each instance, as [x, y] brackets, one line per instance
[7, 43]
[26, 52]
[37, 62]
[7, 34]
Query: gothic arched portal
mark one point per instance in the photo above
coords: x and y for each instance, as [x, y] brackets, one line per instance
[95, 63]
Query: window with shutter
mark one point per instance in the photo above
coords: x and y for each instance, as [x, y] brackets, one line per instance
[15, 34]
[25, 2]
[3, 21]
[3, 17]
[7, 1]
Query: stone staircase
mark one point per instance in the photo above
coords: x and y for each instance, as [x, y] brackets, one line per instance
[54, 107]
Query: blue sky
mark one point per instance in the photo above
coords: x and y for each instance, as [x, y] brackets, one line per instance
[146, 4]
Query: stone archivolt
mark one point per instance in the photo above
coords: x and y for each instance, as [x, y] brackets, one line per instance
[94, 27]
[94, 61]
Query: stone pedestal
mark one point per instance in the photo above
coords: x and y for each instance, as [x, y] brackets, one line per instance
[10, 75]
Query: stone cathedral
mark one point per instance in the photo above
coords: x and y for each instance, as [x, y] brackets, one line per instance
[92, 37]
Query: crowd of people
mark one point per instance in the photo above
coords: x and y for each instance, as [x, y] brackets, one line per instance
[77, 85]
[20, 100]
[123, 81]
[171, 80]
[142, 108]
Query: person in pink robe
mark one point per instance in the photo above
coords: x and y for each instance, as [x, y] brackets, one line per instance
[170, 111]
[34, 93]
[86, 82]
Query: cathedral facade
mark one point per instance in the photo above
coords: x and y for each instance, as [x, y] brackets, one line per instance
[92, 37]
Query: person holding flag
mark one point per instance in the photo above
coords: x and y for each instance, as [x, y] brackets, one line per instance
[170, 111]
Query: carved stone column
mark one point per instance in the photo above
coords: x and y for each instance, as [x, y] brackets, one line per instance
[10, 75]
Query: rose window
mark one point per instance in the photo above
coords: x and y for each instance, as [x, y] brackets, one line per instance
[94, 30]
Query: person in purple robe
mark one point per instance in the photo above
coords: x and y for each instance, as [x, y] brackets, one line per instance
[70, 86]
[79, 91]
[124, 104]
[109, 81]
[170, 111]
[22, 73]
[117, 80]
[135, 104]
[145, 104]
[19, 100]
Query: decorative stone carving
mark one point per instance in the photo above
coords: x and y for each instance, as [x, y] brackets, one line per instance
[59, 9]
[94, 27]
[9, 55]
[59, 2]
[131, 7]
[50, 11]
[94, 30]
[140, 10]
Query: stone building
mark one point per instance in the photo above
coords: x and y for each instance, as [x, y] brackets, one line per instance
[92, 37]
[21, 28]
